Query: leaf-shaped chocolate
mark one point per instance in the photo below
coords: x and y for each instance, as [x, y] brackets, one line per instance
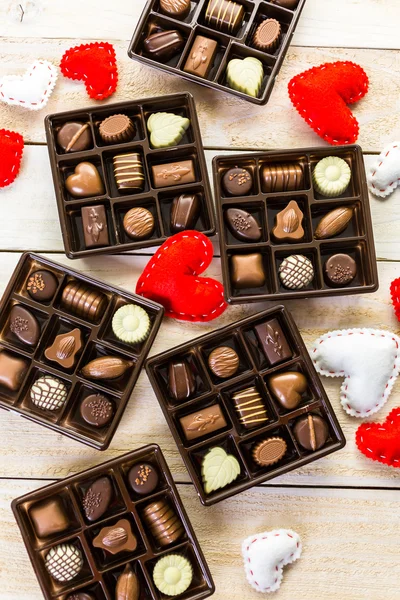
[219, 469]
[166, 129]
[245, 75]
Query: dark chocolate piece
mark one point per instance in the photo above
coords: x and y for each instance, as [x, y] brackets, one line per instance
[24, 325]
[224, 15]
[201, 58]
[311, 432]
[116, 538]
[163, 523]
[181, 380]
[85, 182]
[97, 410]
[185, 211]
[203, 422]
[267, 36]
[269, 451]
[282, 177]
[163, 45]
[340, 270]
[12, 371]
[116, 129]
[237, 182]
[176, 173]
[288, 388]
[250, 408]
[41, 285]
[49, 517]
[290, 4]
[289, 224]
[177, 9]
[243, 225]
[247, 271]
[223, 362]
[95, 228]
[97, 498]
[273, 342]
[80, 596]
[65, 348]
[83, 301]
[139, 223]
[75, 137]
[129, 173]
[143, 478]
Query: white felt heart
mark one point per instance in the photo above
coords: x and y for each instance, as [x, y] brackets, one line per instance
[368, 359]
[384, 175]
[265, 555]
[31, 90]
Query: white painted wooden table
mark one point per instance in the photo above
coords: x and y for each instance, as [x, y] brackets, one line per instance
[345, 508]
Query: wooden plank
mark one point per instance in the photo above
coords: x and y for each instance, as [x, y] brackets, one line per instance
[226, 121]
[343, 23]
[53, 455]
[350, 547]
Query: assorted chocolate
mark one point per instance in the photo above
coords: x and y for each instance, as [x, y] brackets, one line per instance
[244, 404]
[93, 534]
[128, 175]
[229, 45]
[71, 349]
[294, 224]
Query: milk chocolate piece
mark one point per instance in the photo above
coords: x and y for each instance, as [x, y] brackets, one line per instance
[237, 181]
[143, 478]
[340, 270]
[106, 367]
[128, 585]
[24, 325]
[138, 223]
[41, 285]
[247, 271]
[223, 362]
[250, 408]
[176, 173]
[163, 523]
[181, 380]
[116, 538]
[267, 36]
[97, 410]
[97, 498]
[203, 422]
[224, 15]
[185, 211]
[177, 9]
[334, 222]
[289, 224]
[75, 137]
[242, 225]
[288, 388]
[311, 432]
[163, 45]
[129, 173]
[273, 342]
[83, 301]
[65, 348]
[49, 517]
[282, 177]
[201, 58]
[95, 228]
[269, 451]
[117, 129]
[85, 182]
[12, 371]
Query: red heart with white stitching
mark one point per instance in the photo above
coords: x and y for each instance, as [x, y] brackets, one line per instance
[381, 441]
[11, 149]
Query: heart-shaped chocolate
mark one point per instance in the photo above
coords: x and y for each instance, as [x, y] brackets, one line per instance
[85, 181]
[287, 388]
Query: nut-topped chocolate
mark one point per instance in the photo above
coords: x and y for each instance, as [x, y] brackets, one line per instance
[237, 181]
[41, 285]
[97, 498]
[243, 225]
[143, 478]
[24, 325]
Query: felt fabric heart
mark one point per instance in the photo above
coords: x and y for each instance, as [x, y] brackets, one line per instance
[85, 181]
[321, 95]
[11, 149]
[381, 441]
[96, 65]
[31, 90]
[384, 174]
[368, 359]
[395, 294]
[265, 555]
[171, 278]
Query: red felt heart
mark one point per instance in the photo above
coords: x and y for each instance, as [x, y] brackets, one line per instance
[381, 441]
[321, 95]
[395, 293]
[96, 65]
[11, 148]
[171, 278]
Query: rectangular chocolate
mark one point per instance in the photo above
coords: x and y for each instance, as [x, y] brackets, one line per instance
[277, 416]
[61, 364]
[98, 532]
[102, 159]
[273, 341]
[203, 41]
[176, 173]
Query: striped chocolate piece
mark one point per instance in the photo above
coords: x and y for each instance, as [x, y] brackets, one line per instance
[128, 172]
[225, 15]
[250, 407]
[282, 178]
[83, 301]
[164, 524]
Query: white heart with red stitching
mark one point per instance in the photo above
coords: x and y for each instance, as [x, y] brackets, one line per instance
[265, 555]
[384, 174]
[368, 359]
[31, 90]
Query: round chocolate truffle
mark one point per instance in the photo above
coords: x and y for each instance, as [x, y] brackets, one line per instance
[139, 223]
[178, 9]
[117, 129]
[237, 182]
[75, 137]
[340, 270]
[311, 432]
[97, 410]
[41, 285]
[143, 478]
[223, 362]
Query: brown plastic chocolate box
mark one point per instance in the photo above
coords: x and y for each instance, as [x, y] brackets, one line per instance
[251, 391]
[59, 520]
[337, 259]
[200, 43]
[96, 218]
[50, 383]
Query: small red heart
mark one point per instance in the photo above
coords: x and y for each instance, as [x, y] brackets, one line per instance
[171, 278]
[395, 294]
[381, 441]
[11, 149]
[321, 95]
[96, 65]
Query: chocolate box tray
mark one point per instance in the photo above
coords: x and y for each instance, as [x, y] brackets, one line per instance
[98, 340]
[357, 240]
[229, 46]
[116, 204]
[254, 371]
[101, 570]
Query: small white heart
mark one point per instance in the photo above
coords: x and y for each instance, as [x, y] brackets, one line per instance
[31, 90]
[384, 175]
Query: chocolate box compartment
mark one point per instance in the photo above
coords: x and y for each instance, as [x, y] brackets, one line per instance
[237, 44]
[235, 439]
[97, 340]
[357, 239]
[113, 200]
[99, 575]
